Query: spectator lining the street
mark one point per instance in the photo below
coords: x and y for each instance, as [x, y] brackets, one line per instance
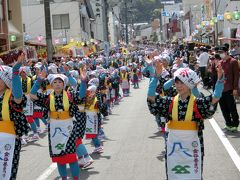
[227, 101]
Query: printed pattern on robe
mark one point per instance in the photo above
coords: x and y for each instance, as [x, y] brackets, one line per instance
[16, 157]
[24, 85]
[78, 125]
[161, 107]
[161, 81]
[21, 127]
[101, 105]
[20, 122]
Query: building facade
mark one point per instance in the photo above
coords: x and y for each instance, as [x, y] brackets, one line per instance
[70, 20]
[11, 30]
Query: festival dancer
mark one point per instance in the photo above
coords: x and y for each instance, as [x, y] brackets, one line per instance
[63, 129]
[125, 81]
[185, 115]
[13, 123]
[28, 110]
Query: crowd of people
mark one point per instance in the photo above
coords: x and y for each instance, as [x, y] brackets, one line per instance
[69, 98]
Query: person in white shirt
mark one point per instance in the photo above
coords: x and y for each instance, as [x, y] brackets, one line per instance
[203, 63]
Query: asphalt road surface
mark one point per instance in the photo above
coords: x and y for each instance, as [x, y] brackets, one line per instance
[134, 149]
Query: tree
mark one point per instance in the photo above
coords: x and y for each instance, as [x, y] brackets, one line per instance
[145, 9]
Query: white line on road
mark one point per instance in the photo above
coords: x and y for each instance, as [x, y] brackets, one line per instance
[47, 172]
[231, 151]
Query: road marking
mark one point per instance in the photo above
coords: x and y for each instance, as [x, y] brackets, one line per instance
[231, 151]
[48, 172]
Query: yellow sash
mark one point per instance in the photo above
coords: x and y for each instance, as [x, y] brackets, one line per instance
[63, 114]
[187, 124]
[28, 85]
[124, 76]
[34, 77]
[6, 125]
[91, 107]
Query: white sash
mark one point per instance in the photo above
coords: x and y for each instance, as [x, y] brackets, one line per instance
[28, 109]
[60, 131]
[125, 84]
[7, 145]
[113, 92]
[92, 123]
[183, 155]
[108, 95]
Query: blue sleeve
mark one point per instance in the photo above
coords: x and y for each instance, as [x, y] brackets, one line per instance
[195, 92]
[218, 89]
[167, 85]
[83, 89]
[36, 86]
[61, 69]
[152, 86]
[16, 82]
[149, 68]
[46, 67]
[72, 80]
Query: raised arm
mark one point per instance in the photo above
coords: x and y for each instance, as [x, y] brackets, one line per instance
[16, 80]
[37, 84]
[72, 80]
[83, 86]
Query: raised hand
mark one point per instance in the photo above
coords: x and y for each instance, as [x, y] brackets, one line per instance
[219, 71]
[158, 67]
[21, 57]
[43, 74]
[66, 67]
[83, 72]
[19, 62]
[147, 60]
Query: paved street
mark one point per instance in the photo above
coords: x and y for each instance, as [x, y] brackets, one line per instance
[134, 149]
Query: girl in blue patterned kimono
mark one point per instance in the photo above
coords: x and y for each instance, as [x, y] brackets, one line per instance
[184, 114]
[63, 129]
[13, 123]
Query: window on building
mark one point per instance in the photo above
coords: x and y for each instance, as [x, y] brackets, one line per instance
[61, 21]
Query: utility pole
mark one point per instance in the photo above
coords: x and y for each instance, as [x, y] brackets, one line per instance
[126, 21]
[216, 25]
[105, 20]
[190, 21]
[48, 30]
[161, 22]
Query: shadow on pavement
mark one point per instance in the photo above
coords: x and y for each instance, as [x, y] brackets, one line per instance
[115, 114]
[84, 174]
[231, 134]
[157, 135]
[98, 156]
[161, 156]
